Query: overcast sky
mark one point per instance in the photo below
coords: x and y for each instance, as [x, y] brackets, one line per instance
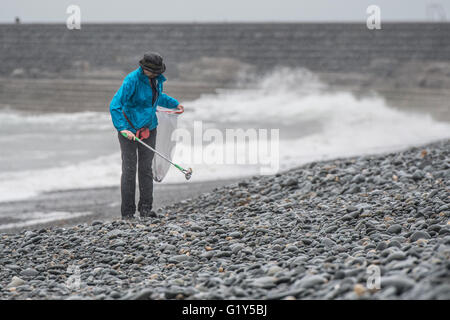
[223, 10]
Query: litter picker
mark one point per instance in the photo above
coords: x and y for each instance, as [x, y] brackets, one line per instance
[187, 173]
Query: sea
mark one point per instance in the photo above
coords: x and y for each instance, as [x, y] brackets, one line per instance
[286, 108]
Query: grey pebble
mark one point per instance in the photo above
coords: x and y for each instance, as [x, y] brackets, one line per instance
[394, 229]
[401, 283]
[310, 281]
[30, 272]
[419, 235]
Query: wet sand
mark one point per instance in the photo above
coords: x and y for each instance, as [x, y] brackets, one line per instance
[73, 207]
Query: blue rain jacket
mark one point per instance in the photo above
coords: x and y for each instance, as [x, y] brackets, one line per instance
[135, 98]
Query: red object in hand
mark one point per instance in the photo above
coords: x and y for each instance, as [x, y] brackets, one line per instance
[143, 133]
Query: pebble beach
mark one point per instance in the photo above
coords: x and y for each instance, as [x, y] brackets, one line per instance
[314, 232]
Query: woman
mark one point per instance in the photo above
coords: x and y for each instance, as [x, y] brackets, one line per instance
[133, 114]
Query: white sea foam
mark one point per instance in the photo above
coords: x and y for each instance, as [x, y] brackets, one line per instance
[35, 218]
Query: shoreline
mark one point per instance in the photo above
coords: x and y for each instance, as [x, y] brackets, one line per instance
[68, 208]
[88, 205]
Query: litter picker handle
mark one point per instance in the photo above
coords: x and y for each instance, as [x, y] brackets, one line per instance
[187, 173]
[125, 135]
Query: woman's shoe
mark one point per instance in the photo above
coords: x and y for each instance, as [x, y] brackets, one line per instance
[147, 214]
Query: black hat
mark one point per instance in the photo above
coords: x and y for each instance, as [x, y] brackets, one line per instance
[153, 62]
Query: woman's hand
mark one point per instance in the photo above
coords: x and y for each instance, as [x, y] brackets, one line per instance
[180, 108]
[130, 135]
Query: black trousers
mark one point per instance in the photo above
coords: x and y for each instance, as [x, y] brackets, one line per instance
[134, 153]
